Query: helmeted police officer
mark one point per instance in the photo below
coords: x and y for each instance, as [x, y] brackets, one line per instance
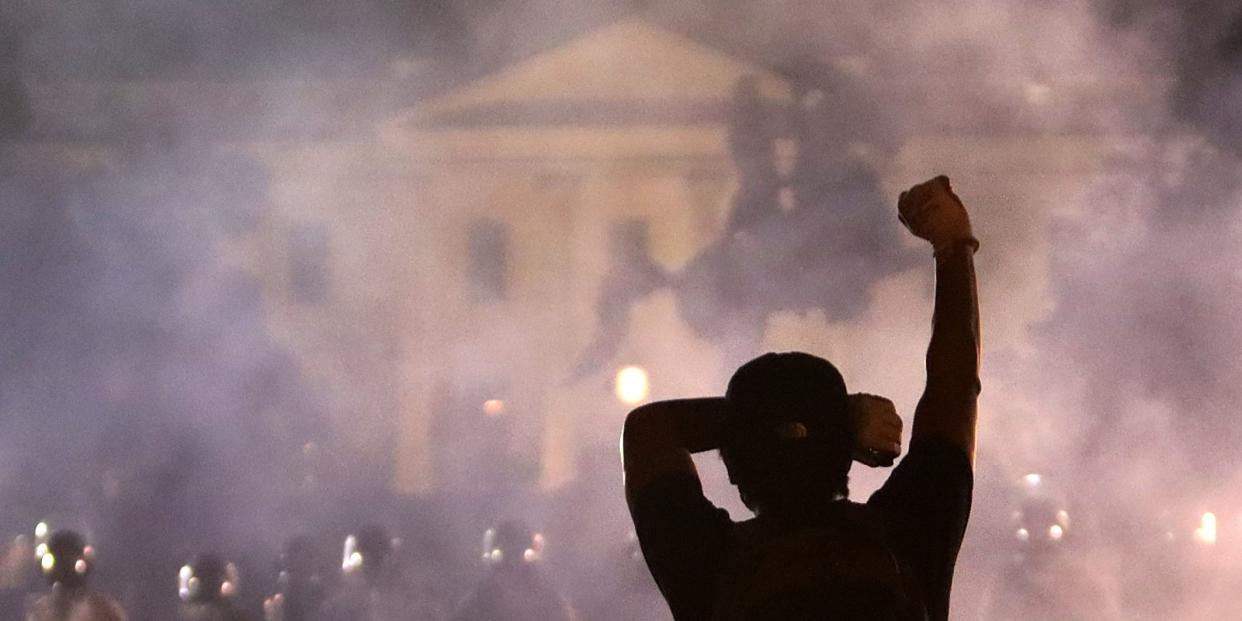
[515, 587]
[373, 586]
[1047, 575]
[207, 587]
[300, 589]
[66, 561]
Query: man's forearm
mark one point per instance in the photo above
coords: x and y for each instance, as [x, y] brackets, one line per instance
[947, 408]
[690, 424]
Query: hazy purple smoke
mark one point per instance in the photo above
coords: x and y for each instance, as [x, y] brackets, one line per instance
[131, 353]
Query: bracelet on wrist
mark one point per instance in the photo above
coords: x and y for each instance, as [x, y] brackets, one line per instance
[963, 244]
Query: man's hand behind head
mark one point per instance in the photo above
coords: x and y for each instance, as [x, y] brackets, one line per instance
[877, 430]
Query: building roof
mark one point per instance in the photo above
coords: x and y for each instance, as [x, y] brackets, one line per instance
[630, 71]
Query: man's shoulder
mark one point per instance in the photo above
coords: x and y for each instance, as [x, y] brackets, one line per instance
[931, 464]
[830, 563]
[677, 493]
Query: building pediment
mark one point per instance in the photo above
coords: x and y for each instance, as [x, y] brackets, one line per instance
[630, 72]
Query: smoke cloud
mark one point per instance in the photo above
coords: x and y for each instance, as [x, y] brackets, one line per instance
[1097, 144]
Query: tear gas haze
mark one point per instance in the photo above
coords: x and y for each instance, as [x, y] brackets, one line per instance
[291, 268]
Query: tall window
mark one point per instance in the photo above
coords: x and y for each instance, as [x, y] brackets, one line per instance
[309, 263]
[487, 271]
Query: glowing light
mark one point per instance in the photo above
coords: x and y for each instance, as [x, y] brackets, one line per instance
[1037, 93]
[187, 582]
[1063, 517]
[352, 558]
[1055, 532]
[855, 65]
[493, 407]
[633, 386]
[495, 556]
[812, 98]
[41, 550]
[227, 588]
[1023, 534]
[273, 604]
[1206, 533]
[79, 566]
[41, 530]
[48, 562]
[530, 555]
[1033, 479]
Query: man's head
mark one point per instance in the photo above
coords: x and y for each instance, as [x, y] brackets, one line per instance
[789, 433]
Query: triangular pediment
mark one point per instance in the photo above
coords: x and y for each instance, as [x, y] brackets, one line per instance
[612, 71]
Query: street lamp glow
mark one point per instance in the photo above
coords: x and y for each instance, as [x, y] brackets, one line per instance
[493, 407]
[1206, 533]
[632, 385]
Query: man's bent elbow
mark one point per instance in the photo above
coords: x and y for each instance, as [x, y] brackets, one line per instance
[641, 427]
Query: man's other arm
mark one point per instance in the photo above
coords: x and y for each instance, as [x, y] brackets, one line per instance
[659, 438]
[948, 408]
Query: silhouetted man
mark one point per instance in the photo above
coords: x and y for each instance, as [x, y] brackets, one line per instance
[787, 431]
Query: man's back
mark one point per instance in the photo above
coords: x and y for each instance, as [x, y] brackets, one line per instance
[891, 558]
[836, 566]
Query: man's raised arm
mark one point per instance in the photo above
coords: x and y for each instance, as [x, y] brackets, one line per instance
[948, 407]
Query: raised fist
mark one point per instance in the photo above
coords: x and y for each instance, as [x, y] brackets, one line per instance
[933, 212]
[877, 430]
